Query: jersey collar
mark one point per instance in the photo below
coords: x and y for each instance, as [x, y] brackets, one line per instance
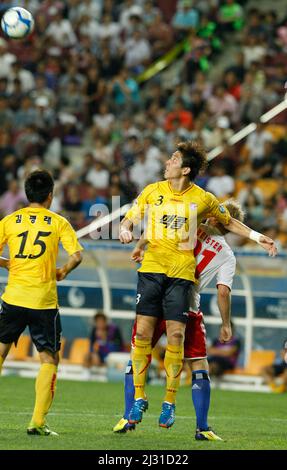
[182, 192]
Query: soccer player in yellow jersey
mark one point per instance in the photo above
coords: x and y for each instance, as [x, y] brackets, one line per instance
[175, 208]
[30, 298]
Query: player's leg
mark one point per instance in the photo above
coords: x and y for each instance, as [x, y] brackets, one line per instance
[123, 425]
[45, 329]
[12, 325]
[4, 350]
[175, 308]
[173, 363]
[148, 308]
[141, 358]
[195, 354]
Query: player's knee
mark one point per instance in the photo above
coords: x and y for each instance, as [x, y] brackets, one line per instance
[144, 335]
[175, 337]
[47, 357]
[198, 364]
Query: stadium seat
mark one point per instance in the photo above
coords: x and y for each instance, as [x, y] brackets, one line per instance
[269, 187]
[80, 347]
[20, 352]
[257, 360]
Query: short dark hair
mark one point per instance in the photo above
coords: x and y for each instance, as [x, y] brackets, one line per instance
[102, 315]
[38, 185]
[193, 157]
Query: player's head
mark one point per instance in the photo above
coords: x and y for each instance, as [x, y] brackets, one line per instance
[234, 208]
[39, 187]
[187, 161]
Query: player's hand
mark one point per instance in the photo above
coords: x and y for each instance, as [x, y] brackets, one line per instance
[225, 333]
[61, 273]
[269, 245]
[4, 263]
[137, 255]
[125, 236]
[7, 264]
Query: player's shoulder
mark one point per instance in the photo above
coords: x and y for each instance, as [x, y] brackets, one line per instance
[205, 196]
[56, 217]
[151, 188]
[12, 217]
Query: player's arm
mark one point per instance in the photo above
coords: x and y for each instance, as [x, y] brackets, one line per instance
[73, 261]
[138, 251]
[224, 281]
[233, 225]
[224, 305]
[241, 229]
[4, 263]
[71, 245]
[125, 234]
[135, 214]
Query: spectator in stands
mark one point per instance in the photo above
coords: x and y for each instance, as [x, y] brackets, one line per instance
[6, 114]
[230, 16]
[278, 369]
[125, 92]
[137, 52]
[10, 200]
[223, 356]
[105, 338]
[60, 30]
[256, 140]
[90, 203]
[6, 59]
[186, 17]
[220, 183]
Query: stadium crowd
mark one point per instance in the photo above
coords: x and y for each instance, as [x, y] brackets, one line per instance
[71, 98]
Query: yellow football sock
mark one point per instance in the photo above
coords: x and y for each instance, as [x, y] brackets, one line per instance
[141, 358]
[45, 391]
[173, 363]
[1, 363]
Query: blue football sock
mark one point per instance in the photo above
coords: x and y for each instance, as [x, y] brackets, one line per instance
[200, 391]
[129, 389]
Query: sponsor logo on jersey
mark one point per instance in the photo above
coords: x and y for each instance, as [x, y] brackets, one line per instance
[173, 221]
[222, 209]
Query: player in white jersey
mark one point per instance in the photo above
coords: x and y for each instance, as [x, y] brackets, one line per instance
[214, 257]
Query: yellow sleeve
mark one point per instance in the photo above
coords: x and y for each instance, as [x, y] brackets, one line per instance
[217, 210]
[69, 240]
[3, 238]
[140, 205]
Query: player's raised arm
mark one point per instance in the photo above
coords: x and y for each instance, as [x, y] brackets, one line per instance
[135, 214]
[125, 233]
[241, 229]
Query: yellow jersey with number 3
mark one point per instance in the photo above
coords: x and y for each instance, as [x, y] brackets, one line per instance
[172, 224]
[32, 236]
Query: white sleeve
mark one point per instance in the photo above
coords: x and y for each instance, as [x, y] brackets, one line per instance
[226, 272]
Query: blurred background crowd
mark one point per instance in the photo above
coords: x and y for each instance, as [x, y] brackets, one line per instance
[74, 98]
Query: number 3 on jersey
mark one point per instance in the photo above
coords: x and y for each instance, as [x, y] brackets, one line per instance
[37, 241]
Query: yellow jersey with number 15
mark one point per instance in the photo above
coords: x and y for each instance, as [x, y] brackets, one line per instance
[32, 236]
[172, 223]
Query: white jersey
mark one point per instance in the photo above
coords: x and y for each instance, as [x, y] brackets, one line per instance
[214, 257]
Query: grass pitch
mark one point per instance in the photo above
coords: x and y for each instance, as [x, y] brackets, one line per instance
[84, 414]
